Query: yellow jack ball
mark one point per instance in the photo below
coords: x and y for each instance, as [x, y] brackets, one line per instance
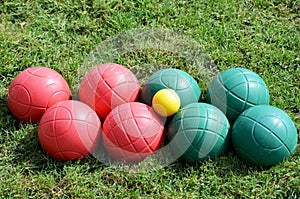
[166, 102]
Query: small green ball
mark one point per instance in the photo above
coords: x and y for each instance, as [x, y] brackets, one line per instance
[181, 82]
[198, 131]
[237, 89]
[264, 135]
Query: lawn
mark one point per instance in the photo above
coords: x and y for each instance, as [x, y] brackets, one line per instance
[263, 36]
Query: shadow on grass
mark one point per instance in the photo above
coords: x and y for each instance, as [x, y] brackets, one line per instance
[227, 165]
[7, 121]
[21, 139]
[231, 164]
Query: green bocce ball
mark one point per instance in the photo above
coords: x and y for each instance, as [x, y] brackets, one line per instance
[198, 131]
[264, 135]
[181, 82]
[237, 89]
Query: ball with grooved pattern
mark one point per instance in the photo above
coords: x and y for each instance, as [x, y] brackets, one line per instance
[181, 82]
[69, 130]
[34, 90]
[198, 131]
[132, 131]
[108, 85]
[237, 89]
[264, 135]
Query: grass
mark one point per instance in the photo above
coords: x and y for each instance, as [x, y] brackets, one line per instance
[263, 36]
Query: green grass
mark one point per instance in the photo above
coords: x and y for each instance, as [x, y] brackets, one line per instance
[263, 36]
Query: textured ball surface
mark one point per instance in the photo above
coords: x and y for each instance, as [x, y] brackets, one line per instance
[166, 102]
[198, 131]
[264, 135]
[69, 130]
[181, 82]
[34, 90]
[132, 131]
[107, 86]
[237, 89]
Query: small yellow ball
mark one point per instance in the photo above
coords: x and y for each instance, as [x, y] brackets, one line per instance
[166, 102]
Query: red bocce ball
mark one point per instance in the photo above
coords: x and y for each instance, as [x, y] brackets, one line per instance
[34, 90]
[69, 130]
[108, 85]
[132, 131]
